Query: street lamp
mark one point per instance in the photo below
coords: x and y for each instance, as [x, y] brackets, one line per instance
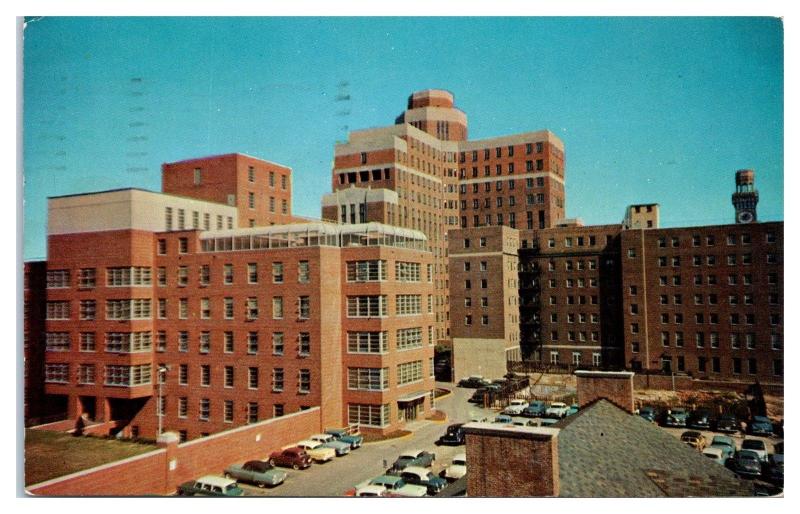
[162, 376]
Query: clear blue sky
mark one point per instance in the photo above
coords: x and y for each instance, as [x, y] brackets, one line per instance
[650, 109]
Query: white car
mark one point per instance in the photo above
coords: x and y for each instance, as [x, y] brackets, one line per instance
[370, 490]
[557, 410]
[515, 408]
[457, 468]
[714, 454]
[316, 451]
[328, 441]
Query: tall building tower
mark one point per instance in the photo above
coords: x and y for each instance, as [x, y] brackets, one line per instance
[745, 198]
[423, 173]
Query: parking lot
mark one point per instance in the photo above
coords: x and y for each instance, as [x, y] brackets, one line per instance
[335, 478]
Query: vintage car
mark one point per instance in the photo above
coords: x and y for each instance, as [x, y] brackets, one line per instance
[316, 450]
[725, 444]
[557, 410]
[419, 458]
[694, 439]
[369, 491]
[394, 486]
[515, 408]
[292, 457]
[760, 425]
[328, 441]
[210, 485]
[348, 435]
[424, 477]
[675, 417]
[457, 468]
[256, 472]
[535, 409]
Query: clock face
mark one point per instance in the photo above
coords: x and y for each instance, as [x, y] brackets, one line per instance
[745, 217]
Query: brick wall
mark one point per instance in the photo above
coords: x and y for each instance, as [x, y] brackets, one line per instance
[614, 386]
[511, 461]
[149, 474]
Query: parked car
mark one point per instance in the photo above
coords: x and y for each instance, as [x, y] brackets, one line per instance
[457, 468]
[725, 444]
[424, 477]
[648, 413]
[316, 450]
[760, 425]
[328, 441]
[370, 491]
[395, 486]
[502, 418]
[256, 472]
[694, 439]
[419, 458]
[775, 474]
[716, 454]
[727, 424]
[699, 419]
[758, 447]
[350, 435]
[293, 457]
[546, 422]
[473, 382]
[210, 485]
[479, 395]
[573, 409]
[453, 435]
[515, 408]
[535, 409]
[675, 417]
[747, 463]
[556, 410]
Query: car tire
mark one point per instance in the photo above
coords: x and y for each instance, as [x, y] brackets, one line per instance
[228, 476]
[261, 485]
[272, 462]
[295, 466]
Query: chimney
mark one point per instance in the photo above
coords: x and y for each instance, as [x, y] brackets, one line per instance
[511, 460]
[614, 386]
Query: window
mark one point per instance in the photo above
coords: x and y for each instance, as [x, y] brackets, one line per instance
[367, 342]
[303, 272]
[277, 379]
[183, 374]
[88, 309]
[205, 409]
[252, 343]
[408, 372]
[205, 308]
[87, 342]
[277, 343]
[407, 271]
[277, 307]
[227, 273]
[183, 341]
[128, 375]
[368, 379]
[252, 377]
[57, 310]
[56, 373]
[205, 342]
[408, 338]
[277, 272]
[366, 306]
[205, 375]
[228, 342]
[228, 307]
[366, 271]
[304, 307]
[57, 341]
[368, 415]
[408, 304]
[57, 279]
[87, 278]
[183, 245]
[252, 307]
[304, 344]
[183, 308]
[161, 248]
[252, 273]
[86, 374]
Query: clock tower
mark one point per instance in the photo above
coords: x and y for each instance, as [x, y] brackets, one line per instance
[745, 198]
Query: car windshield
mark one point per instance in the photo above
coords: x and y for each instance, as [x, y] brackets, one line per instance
[752, 444]
[459, 462]
[748, 456]
[230, 487]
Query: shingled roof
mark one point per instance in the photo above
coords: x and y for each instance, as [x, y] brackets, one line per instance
[605, 452]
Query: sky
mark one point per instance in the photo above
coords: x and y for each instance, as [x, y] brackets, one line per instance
[650, 109]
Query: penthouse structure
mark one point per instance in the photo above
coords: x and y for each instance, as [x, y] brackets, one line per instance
[162, 309]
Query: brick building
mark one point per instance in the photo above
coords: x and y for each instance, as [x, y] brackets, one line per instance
[162, 308]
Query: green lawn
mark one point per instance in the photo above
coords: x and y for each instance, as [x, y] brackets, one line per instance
[54, 454]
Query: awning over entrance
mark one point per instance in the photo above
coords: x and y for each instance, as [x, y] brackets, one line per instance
[412, 396]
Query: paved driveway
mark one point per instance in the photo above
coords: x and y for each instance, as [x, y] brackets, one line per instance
[336, 477]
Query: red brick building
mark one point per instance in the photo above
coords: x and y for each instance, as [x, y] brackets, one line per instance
[237, 324]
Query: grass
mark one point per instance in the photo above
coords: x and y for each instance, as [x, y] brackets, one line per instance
[372, 438]
[53, 454]
[437, 416]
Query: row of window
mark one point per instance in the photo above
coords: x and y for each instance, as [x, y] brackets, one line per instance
[733, 279]
[499, 151]
[251, 177]
[180, 221]
[530, 165]
[731, 259]
[710, 240]
[712, 338]
[278, 377]
[204, 410]
[251, 203]
[736, 365]
[113, 375]
[713, 319]
[126, 309]
[375, 271]
[377, 379]
[701, 299]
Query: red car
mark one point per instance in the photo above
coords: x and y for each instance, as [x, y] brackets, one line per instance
[293, 457]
